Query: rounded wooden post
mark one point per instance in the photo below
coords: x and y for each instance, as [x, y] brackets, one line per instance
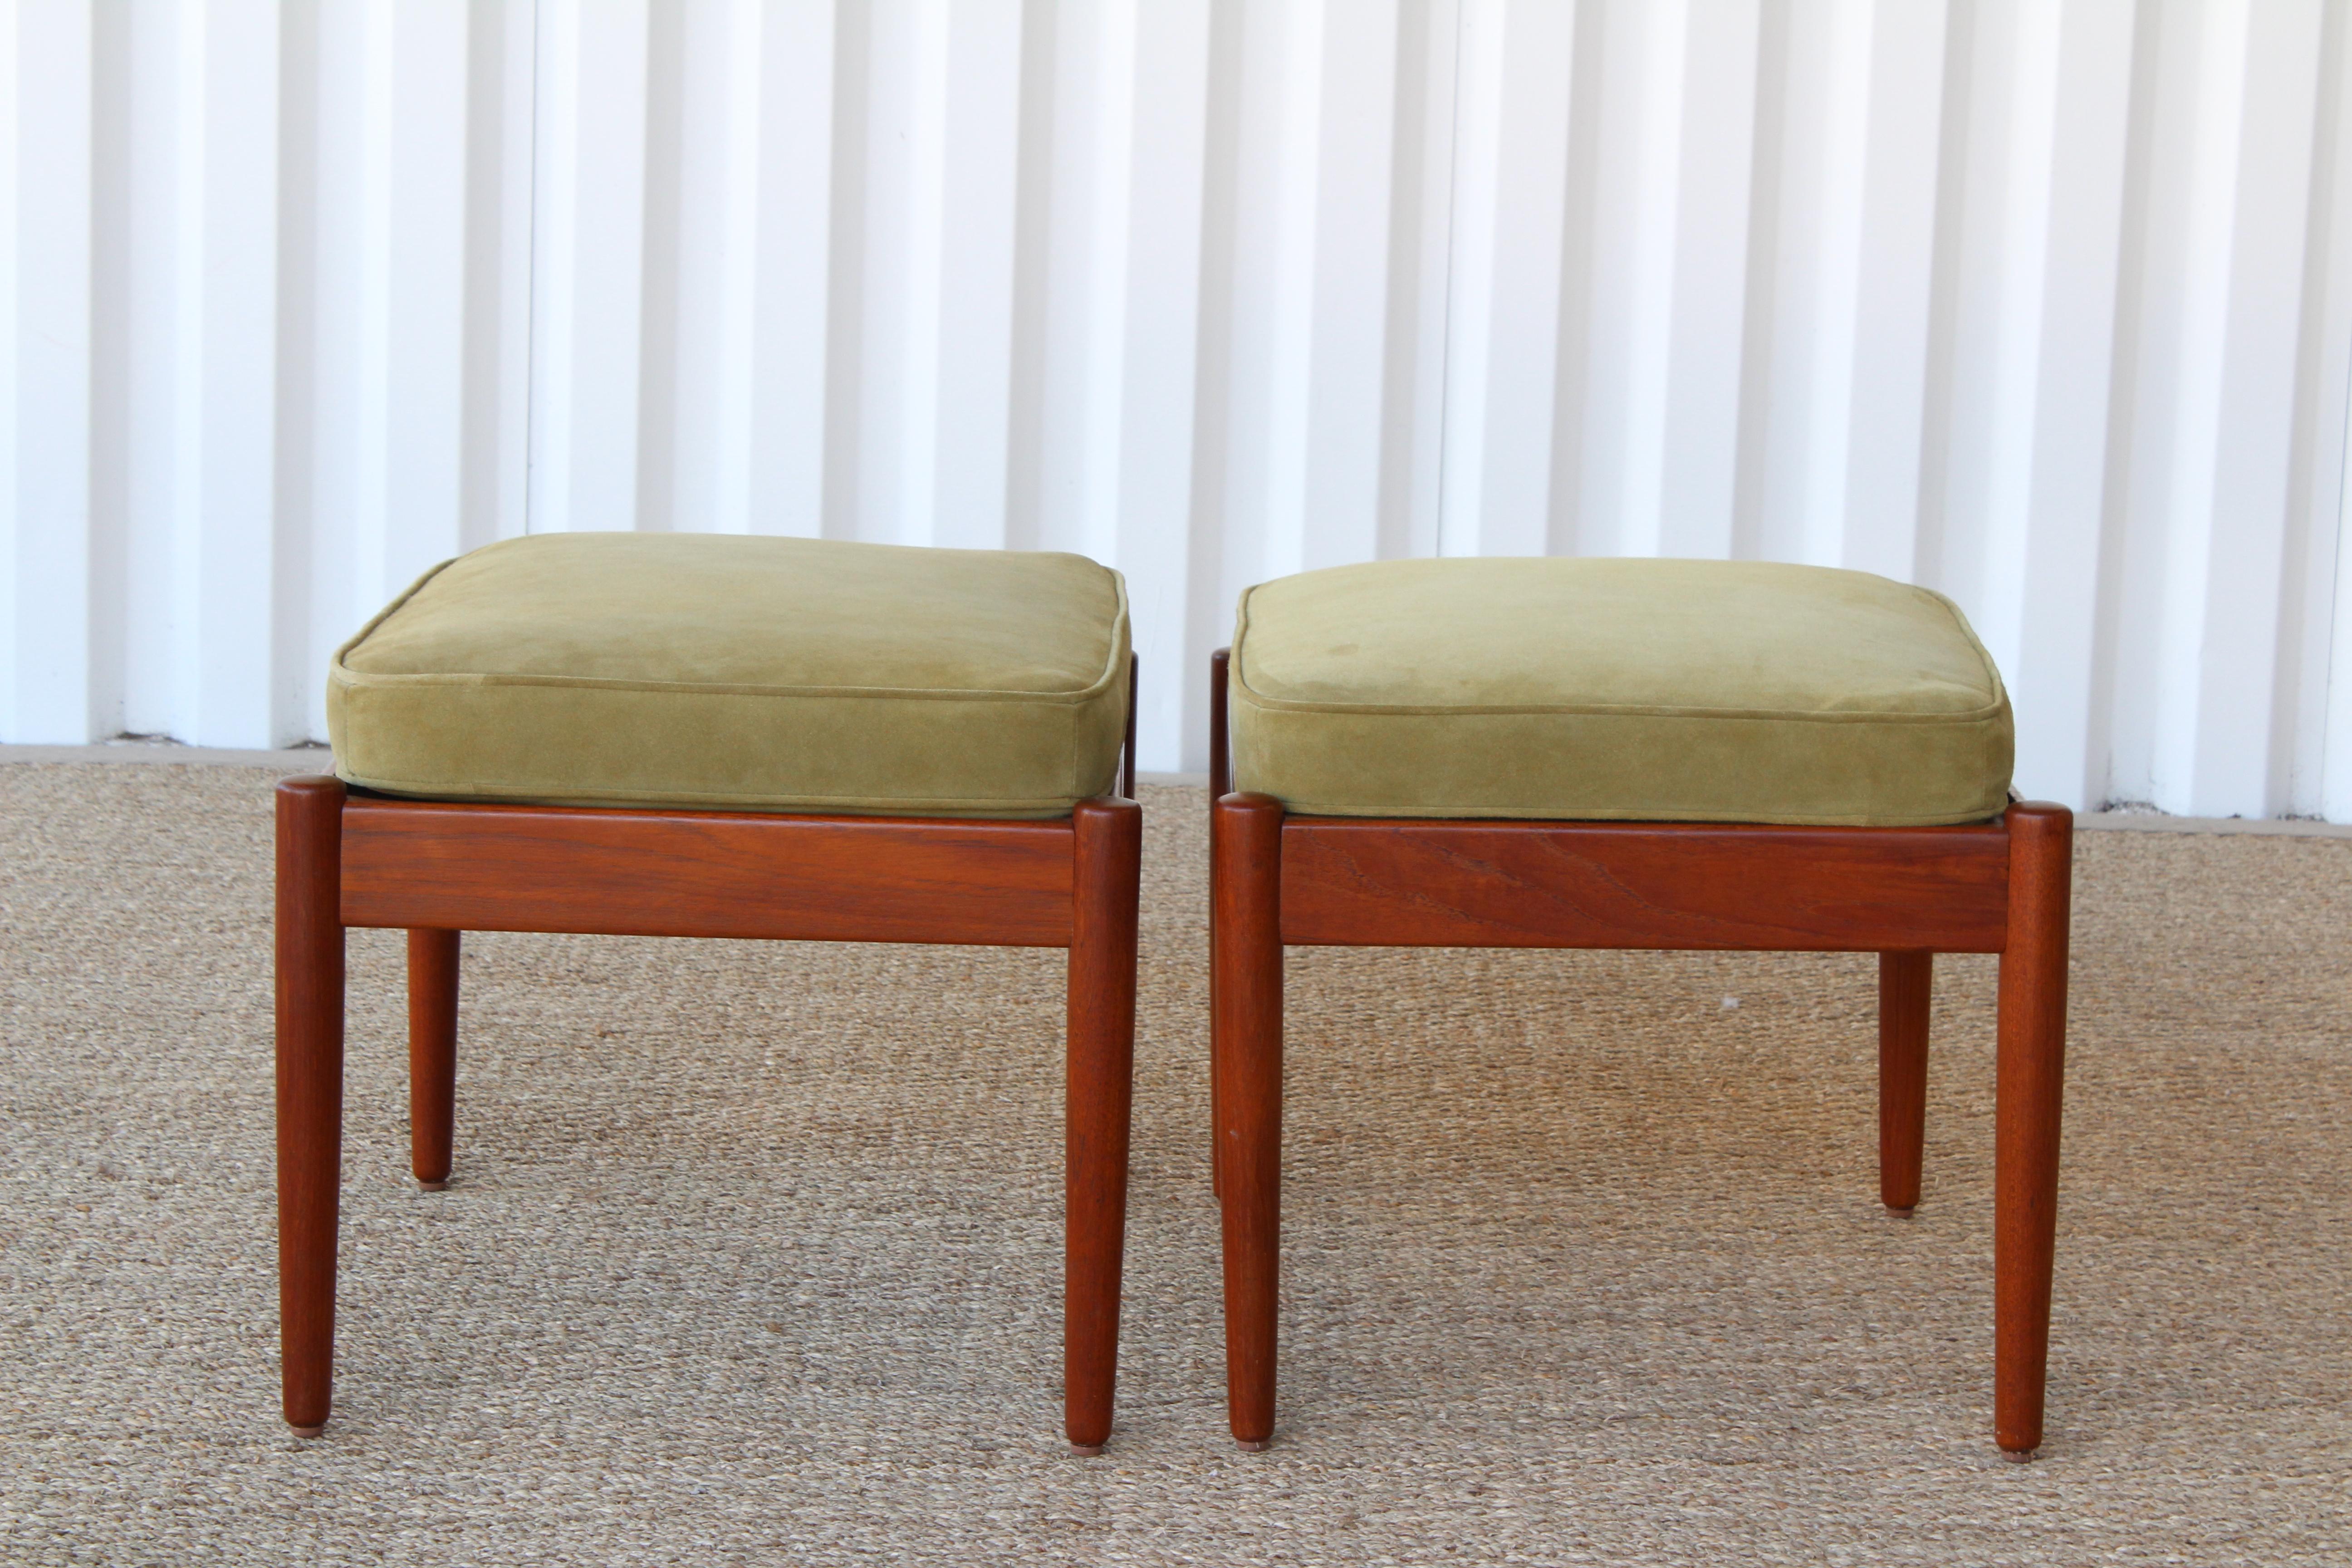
[1221, 766]
[433, 966]
[1109, 850]
[1245, 891]
[1220, 784]
[1905, 987]
[1127, 752]
[309, 1088]
[2029, 1088]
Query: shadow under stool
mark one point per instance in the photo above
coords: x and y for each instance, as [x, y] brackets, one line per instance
[683, 735]
[1653, 754]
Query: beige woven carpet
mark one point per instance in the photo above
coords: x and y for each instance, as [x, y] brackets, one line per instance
[753, 1256]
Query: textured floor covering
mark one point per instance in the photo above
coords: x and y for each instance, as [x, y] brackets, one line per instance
[753, 1254]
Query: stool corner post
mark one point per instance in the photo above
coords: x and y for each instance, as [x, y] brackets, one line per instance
[1107, 834]
[309, 1073]
[1107, 849]
[2030, 1079]
[2036, 827]
[1247, 1092]
[310, 917]
[1246, 863]
[1220, 765]
[1246, 912]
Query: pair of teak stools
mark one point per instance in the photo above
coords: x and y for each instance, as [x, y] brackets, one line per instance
[688, 735]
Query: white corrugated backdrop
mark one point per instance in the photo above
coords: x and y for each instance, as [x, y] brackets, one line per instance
[2047, 303]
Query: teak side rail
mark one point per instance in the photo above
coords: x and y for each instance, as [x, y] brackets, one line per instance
[1905, 893]
[347, 859]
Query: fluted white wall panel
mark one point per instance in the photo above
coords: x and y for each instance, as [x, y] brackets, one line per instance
[46, 345]
[2045, 303]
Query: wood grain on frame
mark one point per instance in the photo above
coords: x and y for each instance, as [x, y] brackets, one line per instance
[1432, 883]
[701, 873]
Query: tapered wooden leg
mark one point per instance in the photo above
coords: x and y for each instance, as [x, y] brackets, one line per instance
[1905, 985]
[309, 1088]
[1220, 783]
[2029, 1090]
[1245, 889]
[433, 966]
[1109, 836]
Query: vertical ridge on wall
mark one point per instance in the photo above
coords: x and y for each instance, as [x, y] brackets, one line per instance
[588, 261]
[973, 234]
[2045, 304]
[1343, 283]
[233, 586]
[2315, 711]
[1870, 364]
[46, 345]
[2233, 438]
[1162, 109]
[403, 307]
[752, 165]
[1705, 233]
[2050, 391]
[410, 506]
[1504, 359]
[2222, 332]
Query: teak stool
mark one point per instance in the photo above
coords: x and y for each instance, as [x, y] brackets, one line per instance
[1372, 704]
[593, 698]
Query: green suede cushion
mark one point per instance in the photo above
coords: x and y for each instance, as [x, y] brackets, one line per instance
[725, 671]
[1660, 691]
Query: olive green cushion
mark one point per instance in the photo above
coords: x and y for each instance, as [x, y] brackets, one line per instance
[1662, 690]
[726, 671]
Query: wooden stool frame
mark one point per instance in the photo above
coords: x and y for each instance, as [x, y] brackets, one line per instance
[347, 857]
[1906, 893]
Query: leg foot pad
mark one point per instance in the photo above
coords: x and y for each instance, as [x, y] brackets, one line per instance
[1898, 1213]
[1254, 1445]
[2021, 1456]
[1086, 1450]
[443, 1186]
[307, 1431]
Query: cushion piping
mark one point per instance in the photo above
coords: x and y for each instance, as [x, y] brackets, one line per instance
[341, 673]
[1621, 814]
[1240, 682]
[524, 794]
